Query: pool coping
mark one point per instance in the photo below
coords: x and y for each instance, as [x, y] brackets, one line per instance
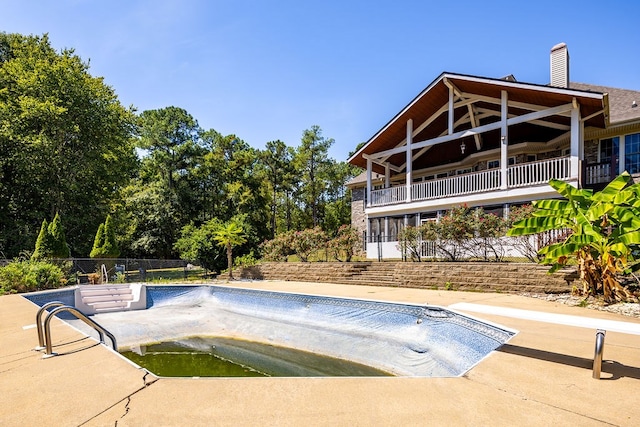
[542, 376]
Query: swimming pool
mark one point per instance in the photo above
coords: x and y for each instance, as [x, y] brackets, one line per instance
[400, 339]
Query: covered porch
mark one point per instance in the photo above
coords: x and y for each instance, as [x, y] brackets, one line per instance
[523, 175]
[466, 135]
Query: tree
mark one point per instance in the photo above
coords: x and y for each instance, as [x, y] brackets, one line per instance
[60, 248]
[451, 233]
[409, 241]
[337, 210]
[104, 244]
[98, 242]
[308, 241]
[172, 138]
[279, 171]
[65, 142]
[228, 235]
[196, 244]
[166, 195]
[346, 243]
[488, 230]
[44, 243]
[605, 233]
[242, 194]
[312, 162]
[51, 242]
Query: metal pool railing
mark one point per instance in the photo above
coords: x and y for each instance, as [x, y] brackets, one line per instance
[44, 337]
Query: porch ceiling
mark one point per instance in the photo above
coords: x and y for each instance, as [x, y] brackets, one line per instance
[483, 95]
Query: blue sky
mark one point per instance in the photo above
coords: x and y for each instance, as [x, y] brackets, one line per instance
[268, 70]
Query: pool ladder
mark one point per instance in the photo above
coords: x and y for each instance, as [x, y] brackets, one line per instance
[44, 330]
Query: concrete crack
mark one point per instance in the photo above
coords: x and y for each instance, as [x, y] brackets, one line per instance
[126, 398]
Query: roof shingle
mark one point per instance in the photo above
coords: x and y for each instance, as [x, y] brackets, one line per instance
[620, 101]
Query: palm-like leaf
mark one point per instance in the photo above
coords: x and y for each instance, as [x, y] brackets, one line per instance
[609, 193]
[605, 228]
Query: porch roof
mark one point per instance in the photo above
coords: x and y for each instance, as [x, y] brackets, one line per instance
[484, 96]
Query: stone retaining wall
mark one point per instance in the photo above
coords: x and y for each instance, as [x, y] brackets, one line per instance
[476, 276]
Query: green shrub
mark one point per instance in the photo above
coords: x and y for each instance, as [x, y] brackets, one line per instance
[28, 276]
[245, 260]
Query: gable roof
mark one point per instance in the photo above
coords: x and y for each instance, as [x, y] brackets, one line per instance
[620, 101]
[428, 105]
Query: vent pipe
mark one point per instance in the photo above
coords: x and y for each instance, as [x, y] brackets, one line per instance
[560, 65]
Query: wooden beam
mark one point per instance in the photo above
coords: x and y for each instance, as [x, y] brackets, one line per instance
[536, 115]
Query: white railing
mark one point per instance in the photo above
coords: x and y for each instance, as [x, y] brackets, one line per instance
[539, 172]
[388, 196]
[598, 173]
[521, 175]
[457, 185]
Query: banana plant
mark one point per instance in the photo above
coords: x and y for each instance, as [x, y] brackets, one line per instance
[604, 233]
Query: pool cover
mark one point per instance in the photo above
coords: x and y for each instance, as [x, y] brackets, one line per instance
[402, 339]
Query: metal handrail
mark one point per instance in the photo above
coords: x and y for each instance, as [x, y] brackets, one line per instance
[597, 358]
[39, 322]
[47, 328]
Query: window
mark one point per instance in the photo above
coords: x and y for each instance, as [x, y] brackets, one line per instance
[442, 175]
[463, 171]
[632, 153]
[531, 158]
[493, 164]
[428, 216]
[608, 149]
[374, 227]
[497, 210]
[512, 161]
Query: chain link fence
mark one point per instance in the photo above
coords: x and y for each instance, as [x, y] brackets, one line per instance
[126, 270]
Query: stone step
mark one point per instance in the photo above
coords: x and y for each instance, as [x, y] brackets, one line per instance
[373, 282]
[374, 277]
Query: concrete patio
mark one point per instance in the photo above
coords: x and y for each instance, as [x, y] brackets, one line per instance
[541, 377]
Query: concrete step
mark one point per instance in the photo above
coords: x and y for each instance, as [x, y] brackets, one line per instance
[115, 297]
[106, 291]
[116, 305]
[102, 298]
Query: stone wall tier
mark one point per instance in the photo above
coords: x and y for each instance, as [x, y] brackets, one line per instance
[466, 276]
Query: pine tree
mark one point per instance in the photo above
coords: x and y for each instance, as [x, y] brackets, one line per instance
[110, 246]
[104, 244]
[98, 243]
[60, 248]
[44, 243]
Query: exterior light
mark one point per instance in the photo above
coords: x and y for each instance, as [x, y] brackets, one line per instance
[462, 147]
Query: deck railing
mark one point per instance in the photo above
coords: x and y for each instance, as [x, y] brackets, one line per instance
[539, 172]
[388, 196]
[522, 175]
[457, 185]
[598, 173]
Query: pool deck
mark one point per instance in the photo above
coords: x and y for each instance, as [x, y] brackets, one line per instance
[542, 376]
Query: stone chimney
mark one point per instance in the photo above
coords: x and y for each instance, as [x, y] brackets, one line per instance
[560, 65]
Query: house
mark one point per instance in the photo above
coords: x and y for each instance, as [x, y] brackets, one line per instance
[491, 143]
